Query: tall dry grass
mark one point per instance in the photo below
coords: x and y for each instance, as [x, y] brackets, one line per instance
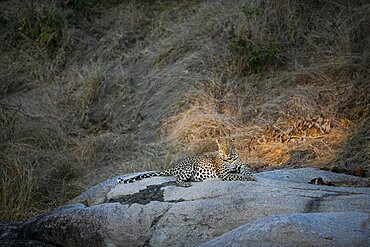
[121, 87]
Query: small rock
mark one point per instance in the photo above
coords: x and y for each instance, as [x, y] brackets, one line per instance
[320, 181]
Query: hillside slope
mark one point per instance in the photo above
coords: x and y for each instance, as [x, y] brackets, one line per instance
[90, 90]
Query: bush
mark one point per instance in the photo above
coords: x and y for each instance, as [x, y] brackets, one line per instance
[254, 55]
[46, 27]
[249, 11]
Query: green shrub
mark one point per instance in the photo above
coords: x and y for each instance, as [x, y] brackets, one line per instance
[250, 11]
[45, 28]
[254, 55]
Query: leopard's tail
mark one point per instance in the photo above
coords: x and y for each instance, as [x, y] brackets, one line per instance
[145, 175]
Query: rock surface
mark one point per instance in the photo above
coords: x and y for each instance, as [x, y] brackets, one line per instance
[155, 212]
[316, 229]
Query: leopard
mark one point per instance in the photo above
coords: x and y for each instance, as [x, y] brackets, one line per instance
[226, 165]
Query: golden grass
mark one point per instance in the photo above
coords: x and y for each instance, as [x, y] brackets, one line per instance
[303, 116]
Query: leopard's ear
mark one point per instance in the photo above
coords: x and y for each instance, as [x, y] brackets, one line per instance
[218, 141]
[233, 139]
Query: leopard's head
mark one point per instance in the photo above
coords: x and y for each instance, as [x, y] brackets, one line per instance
[226, 150]
[230, 158]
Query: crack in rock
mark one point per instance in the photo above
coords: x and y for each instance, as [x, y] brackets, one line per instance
[156, 219]
[333, 191]
[313, 206]
[153, 225]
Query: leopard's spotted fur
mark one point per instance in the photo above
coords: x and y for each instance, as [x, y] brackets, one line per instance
[225, 165]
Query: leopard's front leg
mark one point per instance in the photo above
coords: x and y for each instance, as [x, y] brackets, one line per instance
[238, 177]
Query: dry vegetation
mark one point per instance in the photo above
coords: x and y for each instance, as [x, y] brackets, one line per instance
[90, 90]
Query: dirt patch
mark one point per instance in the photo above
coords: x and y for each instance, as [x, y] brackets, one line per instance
[145, 196]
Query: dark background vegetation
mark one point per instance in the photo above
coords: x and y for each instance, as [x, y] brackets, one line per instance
[91, 89]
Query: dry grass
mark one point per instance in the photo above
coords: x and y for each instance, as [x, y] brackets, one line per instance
[284, 117]
[133, 86]
[18, 179]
